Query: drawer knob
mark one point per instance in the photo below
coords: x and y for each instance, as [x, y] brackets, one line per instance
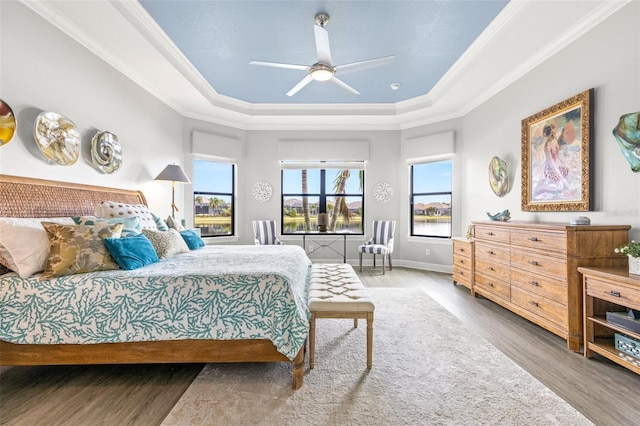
[533, 303]
[490, 233]
[534, 263]
[533, 239]
[491, 268]
[535, 283]
[615, 293]
[490, 252]
[490, 284]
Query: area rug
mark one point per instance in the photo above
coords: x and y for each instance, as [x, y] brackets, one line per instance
[428, 369]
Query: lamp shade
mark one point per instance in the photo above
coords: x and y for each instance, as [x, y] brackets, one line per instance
[173, 172]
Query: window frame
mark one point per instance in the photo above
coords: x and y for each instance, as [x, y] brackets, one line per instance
[413, 195]
[231, 195]
[322, 196]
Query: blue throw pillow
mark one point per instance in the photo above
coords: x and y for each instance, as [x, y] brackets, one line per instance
[131, 252]
[192, 239]
[161, 224]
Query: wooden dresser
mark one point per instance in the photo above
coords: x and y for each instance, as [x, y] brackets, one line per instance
[531, 269]
[463, 262]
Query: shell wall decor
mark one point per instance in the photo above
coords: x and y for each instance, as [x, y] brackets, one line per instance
[498, 176]
[627, 133]
[382, 192]
[57, 137]
[7, 123]
[106, 152]
[262, 191]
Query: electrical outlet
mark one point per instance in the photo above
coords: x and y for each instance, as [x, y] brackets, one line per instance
[428, 252]
[310, 249]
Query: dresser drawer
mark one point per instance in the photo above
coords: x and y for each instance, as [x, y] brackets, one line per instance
[463, 262]
[491, 233]
[541, 306]
[493, 269]
[492, 285]
[462, 248]
[462, 276]
[615, 293]
[547, 287]
[552, 241]
[539, 263]
[493, 252]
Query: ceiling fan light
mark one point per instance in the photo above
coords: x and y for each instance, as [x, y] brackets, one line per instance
[321, 75]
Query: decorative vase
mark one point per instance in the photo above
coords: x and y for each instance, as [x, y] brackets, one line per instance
[634, 265]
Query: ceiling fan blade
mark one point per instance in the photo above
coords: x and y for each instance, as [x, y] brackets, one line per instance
[322, 45]
[279, 65]
[300, 85]
[364, 65]
[337, 82]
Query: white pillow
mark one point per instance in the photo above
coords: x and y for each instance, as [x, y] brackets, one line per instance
[24, 243]
[111, 209]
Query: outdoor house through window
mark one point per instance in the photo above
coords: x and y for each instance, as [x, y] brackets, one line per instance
[311, 188]
[431, 199]
[213, 196]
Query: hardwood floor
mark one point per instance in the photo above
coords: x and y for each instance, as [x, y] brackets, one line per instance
[604, 392]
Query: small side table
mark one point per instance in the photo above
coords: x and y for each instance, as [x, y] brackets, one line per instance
[614, 290]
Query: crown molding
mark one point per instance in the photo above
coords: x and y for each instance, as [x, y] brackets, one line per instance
[463, 88]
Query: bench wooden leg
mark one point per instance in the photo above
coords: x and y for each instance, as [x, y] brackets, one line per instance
[355, 323]
[312, 341]
[369, 340]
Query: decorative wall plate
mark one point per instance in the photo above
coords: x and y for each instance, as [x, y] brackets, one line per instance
[7, 123]
[262, 191]
[382, 192]
[106, 152]
[57, 137]
[498, 176]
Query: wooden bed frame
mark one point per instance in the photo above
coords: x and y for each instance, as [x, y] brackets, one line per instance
[28, 197]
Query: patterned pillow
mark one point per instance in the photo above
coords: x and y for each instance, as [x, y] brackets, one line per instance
[131, 224]
[161, 224]
[166, 243]
[109, 209]
[174, 224]
[24, 245]
[75, 249]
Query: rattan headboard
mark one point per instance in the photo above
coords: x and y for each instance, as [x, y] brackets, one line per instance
[29, 197]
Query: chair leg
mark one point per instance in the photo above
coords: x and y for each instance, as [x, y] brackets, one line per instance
[374, 260]
[312, 341]
[369, 340]
[390, 267]
[360, 261]
[383, 256]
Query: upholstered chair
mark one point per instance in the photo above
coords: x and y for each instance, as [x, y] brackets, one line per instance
[264, 232]
[380, 243]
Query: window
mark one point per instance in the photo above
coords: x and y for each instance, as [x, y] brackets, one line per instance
[431, 199]
[213, 197]
[306, 192]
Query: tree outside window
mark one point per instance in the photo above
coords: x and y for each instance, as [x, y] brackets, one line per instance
[309, 192]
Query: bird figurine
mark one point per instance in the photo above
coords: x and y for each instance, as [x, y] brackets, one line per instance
[502, 216]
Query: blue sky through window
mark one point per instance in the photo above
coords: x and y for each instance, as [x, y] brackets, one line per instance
[209, 176]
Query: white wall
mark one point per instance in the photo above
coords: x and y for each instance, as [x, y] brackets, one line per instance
[45, 70]
[607, 59]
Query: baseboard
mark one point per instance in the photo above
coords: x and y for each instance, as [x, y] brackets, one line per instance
[434, 267]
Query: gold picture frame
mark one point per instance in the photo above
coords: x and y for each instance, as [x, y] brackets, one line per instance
[556, 156]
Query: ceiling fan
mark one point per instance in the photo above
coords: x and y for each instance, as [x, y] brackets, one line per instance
[324, 70]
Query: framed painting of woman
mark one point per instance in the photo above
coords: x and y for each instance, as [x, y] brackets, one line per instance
[556, 156]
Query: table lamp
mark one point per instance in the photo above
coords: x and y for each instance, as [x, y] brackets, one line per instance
[174, 173]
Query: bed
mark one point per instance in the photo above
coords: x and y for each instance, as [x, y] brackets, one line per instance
[162, 341]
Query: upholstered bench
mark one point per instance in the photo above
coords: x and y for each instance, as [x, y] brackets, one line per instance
[337, 292]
